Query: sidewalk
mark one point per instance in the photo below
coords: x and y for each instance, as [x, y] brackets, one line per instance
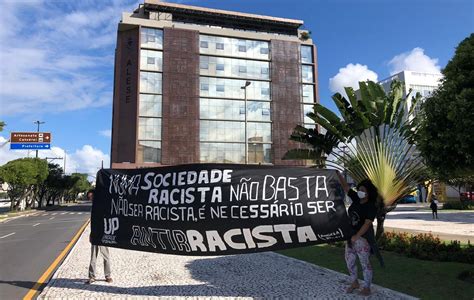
[449, 225]
[142, 275]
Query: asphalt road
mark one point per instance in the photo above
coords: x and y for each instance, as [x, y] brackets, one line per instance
[29, 244]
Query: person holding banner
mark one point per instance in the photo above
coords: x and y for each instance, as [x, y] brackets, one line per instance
[95, 250]
[362, 213]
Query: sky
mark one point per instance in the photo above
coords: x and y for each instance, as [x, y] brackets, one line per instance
[57, 58]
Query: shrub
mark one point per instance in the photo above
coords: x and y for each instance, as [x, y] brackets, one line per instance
[427, 247]
[462, 205]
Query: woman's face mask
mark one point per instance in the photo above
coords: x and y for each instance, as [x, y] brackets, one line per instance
[361, 194]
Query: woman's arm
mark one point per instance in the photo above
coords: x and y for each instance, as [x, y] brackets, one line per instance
[344, 184]
[362, 230]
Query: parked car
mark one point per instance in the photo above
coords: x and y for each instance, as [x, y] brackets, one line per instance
[467, 196]
[407, 199]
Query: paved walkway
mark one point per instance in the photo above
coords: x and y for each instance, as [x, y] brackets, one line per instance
[141, 275]
[452, 225]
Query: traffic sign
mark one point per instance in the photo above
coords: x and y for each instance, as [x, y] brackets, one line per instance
[30, 137]
[29, 146]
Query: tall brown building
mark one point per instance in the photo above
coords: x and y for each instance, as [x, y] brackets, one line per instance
[199, 85]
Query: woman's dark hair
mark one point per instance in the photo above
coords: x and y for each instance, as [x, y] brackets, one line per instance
[90, 191]
[371, 189]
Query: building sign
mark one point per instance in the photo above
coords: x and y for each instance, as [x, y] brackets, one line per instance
[217, 209]
[30, 140]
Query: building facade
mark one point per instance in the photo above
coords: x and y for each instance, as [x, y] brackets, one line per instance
[418, 82]
[198, 85]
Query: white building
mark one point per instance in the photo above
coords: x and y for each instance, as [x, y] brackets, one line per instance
[423, 83]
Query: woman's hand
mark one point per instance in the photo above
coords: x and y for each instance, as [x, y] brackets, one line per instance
[354, 238]
[343, 182]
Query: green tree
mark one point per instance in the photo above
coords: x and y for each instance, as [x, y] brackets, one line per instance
[2, 125]
[445, 136]
[377, 137]
[22, 176]
[81, 185]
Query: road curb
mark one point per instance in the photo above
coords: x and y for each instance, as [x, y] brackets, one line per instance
[31, 212]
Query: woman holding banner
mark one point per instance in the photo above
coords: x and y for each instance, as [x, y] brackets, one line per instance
[362, 213]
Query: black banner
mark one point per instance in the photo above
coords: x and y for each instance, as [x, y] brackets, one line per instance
[216, 209]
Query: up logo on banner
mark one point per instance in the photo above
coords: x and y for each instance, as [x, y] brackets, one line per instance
[111, 225]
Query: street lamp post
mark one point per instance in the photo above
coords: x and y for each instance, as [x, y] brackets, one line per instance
[37, 130]
[247, 83]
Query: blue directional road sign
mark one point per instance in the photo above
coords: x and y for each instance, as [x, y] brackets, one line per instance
[27, 146]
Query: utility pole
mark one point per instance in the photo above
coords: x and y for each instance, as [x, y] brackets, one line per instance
[247, 83]
[38, 130]
[64, 167]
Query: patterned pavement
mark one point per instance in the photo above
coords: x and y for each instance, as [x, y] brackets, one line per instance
[141, 275]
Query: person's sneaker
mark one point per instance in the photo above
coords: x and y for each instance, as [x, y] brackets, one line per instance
[109, 279]
[365, 292]
[352, 287]
[90, 281]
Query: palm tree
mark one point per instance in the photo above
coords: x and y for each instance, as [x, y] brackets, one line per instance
[376, 131]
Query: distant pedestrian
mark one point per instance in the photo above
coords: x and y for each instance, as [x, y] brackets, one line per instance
[434, 207]
[95, 250]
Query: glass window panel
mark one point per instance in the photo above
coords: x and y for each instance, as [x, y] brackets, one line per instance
[232, 88]
[306, 54]
[150, 82]
[151, 60]
[308, 93]
[150, 105]
[222, 153]
[149, 128]
[259, 153]
[149, 151]
[204, 44]
[151, 38]
[306, 110]
[233, 67]
[307, 73]
[258, 111]
[204, 87]
[222, 131]
[259, 132]
[235, 47]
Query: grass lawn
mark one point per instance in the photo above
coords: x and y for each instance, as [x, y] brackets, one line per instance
[419, 278]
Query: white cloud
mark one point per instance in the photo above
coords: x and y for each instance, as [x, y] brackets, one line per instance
[414, 60]
[84, 160]
[106, 133]
[349, 76]
[57, 56]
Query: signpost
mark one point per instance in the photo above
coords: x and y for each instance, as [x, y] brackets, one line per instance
[30, 140]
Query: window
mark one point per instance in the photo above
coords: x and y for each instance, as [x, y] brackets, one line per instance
[149, 129]
[151, 38]
[204, 44]
[307, 73]
[264, 70]
[204, 65]
[150, 60]
[306, 54]
[220, 67]
[150, 82]
[265, 91]
[219, 46]
[220, 88]
[204, 87]
[242, 69]
[150, 151]
[242, 49]
[149, 105]
[263, 50]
